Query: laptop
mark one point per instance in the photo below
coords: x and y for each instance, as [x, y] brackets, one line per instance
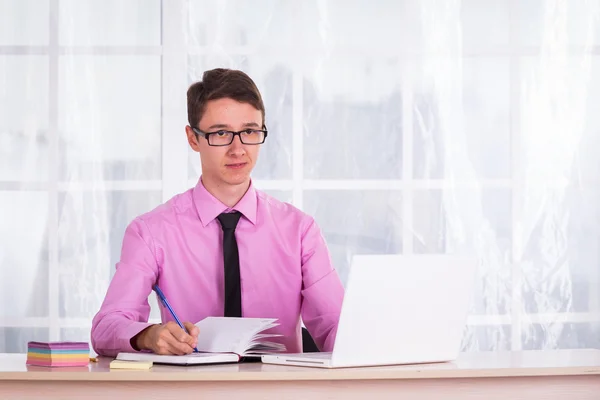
[397, 309]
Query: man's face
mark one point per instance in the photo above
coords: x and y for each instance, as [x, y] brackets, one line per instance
[232, 164]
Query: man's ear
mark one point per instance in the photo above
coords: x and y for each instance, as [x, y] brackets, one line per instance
[192, 139]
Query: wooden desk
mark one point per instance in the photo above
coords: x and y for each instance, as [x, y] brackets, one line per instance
[571, 374]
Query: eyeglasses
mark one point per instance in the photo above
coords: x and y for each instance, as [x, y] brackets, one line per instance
[225, 138]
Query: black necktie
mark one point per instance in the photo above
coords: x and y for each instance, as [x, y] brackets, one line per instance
[231, 260]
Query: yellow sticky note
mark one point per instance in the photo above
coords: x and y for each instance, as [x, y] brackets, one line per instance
[120, 364]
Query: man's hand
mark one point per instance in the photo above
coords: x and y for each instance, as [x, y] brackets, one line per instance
[167, 339]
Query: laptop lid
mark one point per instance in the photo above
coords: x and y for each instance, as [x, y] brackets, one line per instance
[404, 309]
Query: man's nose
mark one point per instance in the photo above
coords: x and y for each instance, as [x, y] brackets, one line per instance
[237, 147]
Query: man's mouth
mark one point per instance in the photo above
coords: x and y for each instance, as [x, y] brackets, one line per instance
[236, 165]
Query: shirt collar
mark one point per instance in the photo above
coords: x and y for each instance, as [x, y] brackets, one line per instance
[209, 207]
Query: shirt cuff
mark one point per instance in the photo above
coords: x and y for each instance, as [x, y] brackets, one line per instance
[129, 332]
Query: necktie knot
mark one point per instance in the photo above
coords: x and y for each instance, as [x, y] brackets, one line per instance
[229, 220]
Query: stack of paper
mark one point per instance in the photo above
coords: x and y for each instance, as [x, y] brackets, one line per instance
[119, 364]
[58, 354]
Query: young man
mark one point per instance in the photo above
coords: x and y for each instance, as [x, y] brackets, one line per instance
[222, 248]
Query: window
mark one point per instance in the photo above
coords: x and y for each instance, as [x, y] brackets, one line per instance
[403, 127]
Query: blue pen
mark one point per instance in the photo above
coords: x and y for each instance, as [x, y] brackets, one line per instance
[163, 299]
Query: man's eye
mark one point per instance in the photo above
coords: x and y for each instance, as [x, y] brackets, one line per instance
[248, 132]
[222, 133]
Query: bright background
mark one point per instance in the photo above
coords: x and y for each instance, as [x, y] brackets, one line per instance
[425, 126]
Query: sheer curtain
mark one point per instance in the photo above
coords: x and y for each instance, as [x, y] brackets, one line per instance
[403, 126]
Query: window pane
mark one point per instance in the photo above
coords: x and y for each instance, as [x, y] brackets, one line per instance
[353, 127]
[14, 340]
[24, 22]
[583, 248]
[587, 168]
[110, 117]
[370, 222]
[235, 23]
[274, 80]
[110, 22]
[486, 338]
[384, 26]
[560, 250]
[558, 335]
[24, 118]
[541, 22]
[485, 24]
[91, 229]
[559, 136]
[558, 211]
[450, 219]
[24, 254]
[469, 220]
[281, 195]
[480, 148]
[77, 335]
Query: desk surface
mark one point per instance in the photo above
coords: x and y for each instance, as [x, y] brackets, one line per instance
[468, 365]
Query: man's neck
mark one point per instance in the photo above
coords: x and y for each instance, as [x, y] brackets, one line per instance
[229, 195]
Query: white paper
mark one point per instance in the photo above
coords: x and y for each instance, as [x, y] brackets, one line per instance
[226, 334]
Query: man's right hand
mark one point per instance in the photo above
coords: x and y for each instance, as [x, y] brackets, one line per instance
[167, 339]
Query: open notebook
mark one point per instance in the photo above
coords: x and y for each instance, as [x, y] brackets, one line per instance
[221, 340]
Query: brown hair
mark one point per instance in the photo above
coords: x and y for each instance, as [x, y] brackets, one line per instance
[221, 83]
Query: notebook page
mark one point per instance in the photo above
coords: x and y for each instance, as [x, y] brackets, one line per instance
[230, 335]
[264, 347]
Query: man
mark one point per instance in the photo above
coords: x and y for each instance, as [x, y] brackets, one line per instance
[222, 248]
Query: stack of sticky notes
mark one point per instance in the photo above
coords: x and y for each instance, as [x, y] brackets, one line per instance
[120, 364]
[58, 354]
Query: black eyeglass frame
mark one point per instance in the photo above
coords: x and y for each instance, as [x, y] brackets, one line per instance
[206, 135]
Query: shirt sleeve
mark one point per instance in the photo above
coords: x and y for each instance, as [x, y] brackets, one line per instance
[125, 310]
[322, 292]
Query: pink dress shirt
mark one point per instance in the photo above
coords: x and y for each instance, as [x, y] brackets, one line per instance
[285, 270]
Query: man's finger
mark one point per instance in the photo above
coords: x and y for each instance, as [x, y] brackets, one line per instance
[173, 344]
[162, 346]
[192, 338]
[172, 350]
[181, 337]
[179, 348]
[177, 332]
[169, 341]
[192, 329]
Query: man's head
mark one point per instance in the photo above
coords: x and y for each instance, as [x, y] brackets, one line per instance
[225, 101]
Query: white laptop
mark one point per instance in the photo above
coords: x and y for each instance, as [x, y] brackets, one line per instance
[398, 309]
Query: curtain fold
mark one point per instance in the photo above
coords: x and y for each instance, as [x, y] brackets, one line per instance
[435, 126]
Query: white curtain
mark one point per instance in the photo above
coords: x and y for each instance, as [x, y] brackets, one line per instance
[405, 126]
